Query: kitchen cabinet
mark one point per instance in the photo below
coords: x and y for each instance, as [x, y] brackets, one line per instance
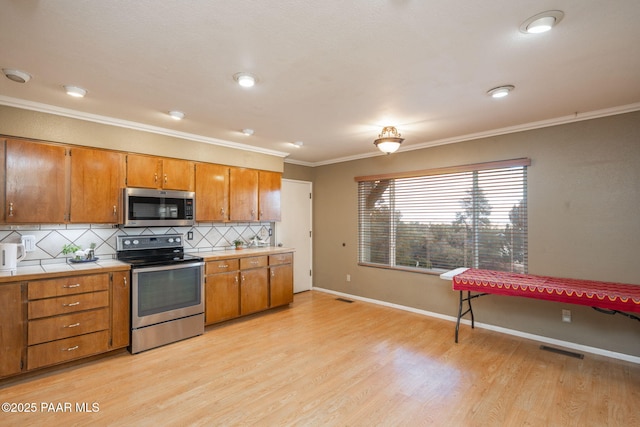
[254, 195]
[120, 309]
[269, 188]
[243, 194]
[280, 279]
[222, 290]
[212, 192]
[97, 180]
[35, 184]
[159, 172]
[68, 318]
[11, 329]
[254, 285]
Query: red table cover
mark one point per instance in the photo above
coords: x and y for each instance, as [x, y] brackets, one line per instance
[607, 295]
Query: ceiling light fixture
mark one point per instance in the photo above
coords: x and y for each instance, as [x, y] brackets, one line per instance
[542, 22]
[389, 140]
[176, 115]
[248, 131]
[75, 91]
[16, 75]
[297, 144]
[245, 79]
[500, 91]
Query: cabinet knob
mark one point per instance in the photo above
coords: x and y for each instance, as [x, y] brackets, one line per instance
[76, 285]
[75, 347]
[165, 178]
[72, 304]
[115, 210]
[124, 279]
[73, 325]
[155, 178]
[10, 209]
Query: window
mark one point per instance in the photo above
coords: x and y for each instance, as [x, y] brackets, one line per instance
[437, 220]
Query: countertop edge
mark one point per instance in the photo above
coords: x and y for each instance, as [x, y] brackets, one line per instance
[242, 253]
[31, 272]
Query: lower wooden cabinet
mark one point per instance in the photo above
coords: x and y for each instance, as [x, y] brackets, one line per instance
[50, 321]
[240, 286]
[11, 329]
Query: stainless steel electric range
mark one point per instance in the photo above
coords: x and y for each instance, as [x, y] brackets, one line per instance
[167, 290]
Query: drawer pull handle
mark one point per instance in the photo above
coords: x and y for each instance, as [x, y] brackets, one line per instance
[254, 262]
[77, 285]
[223, 266]
[75, 347]
[73, 325]
[71, 304]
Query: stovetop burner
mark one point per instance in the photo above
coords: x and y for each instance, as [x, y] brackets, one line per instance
[147, 251]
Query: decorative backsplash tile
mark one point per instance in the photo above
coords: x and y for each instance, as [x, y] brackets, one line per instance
[50, 238]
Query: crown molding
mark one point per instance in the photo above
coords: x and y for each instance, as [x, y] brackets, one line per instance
[59, 111]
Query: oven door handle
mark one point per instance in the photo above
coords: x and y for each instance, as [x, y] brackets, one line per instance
[135, 270]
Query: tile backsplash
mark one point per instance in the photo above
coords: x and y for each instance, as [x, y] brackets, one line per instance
[50, 238]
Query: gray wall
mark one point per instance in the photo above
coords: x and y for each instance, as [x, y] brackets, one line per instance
[584, 222]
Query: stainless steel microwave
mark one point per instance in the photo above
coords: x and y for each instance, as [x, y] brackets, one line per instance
[144, 207]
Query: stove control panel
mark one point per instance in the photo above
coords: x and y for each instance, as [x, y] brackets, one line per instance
[125, 243]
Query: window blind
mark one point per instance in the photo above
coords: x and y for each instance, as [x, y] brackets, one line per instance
[459, 217]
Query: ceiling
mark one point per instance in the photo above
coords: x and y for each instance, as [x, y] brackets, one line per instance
[330, 73]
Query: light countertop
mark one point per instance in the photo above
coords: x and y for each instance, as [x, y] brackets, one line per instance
[45, 271]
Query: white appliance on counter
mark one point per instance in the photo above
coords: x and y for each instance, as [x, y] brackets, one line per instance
[10, 254]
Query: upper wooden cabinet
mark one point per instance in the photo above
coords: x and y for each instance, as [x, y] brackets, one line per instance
[243, 194]
[254, 195]
[212, 192]
[35, 190]
[158, 172]
[97, 179]
[269, 188]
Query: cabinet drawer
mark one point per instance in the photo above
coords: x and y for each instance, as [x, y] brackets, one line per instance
[68, 304]
[67, 349]
[221, 266]
[253, 262]
[67, 286]
[280, 259]
[69, 325]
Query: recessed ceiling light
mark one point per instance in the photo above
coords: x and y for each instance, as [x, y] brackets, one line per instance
[176, 115]
[245, 79]
[297, 144]
[542, 22]
[500, 91]
[247, 131]
[16, 75]
[75, 91]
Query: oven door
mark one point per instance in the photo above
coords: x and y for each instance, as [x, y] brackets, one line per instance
[164, 293]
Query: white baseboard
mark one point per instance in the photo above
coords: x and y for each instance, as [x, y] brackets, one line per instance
[540, 338]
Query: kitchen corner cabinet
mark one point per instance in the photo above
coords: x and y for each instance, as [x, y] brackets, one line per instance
[158, 172]
[11, 329]
[280, 279]
[212, 192]
[35, 184]
[97, 179]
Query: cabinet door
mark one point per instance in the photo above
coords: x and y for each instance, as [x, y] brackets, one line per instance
[243, 194]
[144, 171]
[96, 186]
[281, 285]
[254, 291]
[177, 174]
[11, 329]
[222, 297]
[120, 312]
[269, 187]
[35, 182]
[212, 192]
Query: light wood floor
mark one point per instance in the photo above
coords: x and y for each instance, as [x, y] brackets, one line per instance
[323, 362]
